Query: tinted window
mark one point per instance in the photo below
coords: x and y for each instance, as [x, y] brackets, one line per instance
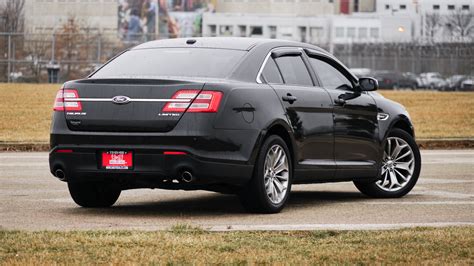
[270, 72]
[294, 70]
[330, 77]
[160, 62]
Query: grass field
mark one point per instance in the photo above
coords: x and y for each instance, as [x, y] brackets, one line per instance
[25, 112]
[452, 246]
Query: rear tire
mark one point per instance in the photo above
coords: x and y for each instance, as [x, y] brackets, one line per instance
[400, 169]
[269, 189]
[94, 194]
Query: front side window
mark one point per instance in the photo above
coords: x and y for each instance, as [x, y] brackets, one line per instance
[270, 72]
[294, 70]
[330, 77]
[172, 62]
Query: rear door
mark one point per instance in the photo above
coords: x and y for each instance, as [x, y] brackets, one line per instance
[355, 120]
[308, 109]
[133, 105]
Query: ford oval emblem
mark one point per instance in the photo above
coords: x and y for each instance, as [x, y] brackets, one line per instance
[121, 99]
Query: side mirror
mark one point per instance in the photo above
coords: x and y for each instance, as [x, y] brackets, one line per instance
[368, 84]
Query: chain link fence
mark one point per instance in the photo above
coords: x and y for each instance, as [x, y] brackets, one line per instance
[445, 58]
[27, 57]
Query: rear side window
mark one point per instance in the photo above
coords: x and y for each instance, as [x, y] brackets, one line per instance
[270, 72]
[172, 62]
[330, 77]
[294, 70]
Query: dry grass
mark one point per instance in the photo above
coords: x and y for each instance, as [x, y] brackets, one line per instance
[25, 112]
[414, 246]
[438, 114]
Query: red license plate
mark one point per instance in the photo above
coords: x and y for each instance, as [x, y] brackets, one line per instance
[117, 160]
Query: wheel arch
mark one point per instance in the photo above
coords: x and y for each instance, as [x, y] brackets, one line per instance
[403, 123]
[281, 129]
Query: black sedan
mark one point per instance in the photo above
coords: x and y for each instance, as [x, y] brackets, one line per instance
[250, 117]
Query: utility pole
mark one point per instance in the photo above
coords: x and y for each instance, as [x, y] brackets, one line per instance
[9, 56]
[53, 48]
[99, 48]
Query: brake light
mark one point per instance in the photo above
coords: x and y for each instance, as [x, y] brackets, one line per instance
[204, 102]
[65, 101]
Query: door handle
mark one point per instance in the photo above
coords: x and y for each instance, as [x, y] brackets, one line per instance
[289, 98]
[340, 101]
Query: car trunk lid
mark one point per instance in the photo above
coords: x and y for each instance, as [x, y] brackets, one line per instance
[124, 105]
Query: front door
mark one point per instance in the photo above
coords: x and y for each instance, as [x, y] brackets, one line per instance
[356, 150]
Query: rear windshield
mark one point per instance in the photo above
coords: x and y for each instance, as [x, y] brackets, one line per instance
[172, 62]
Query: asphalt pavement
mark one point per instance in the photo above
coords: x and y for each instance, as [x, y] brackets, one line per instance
[32, 199]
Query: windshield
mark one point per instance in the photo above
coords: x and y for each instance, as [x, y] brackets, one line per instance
[172, 62]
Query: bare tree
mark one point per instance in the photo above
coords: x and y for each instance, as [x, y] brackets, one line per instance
[37, 50]
[67, 45]
[73, 46]
[461, 23]
[12, 21]
[432, 24]
[11, 13]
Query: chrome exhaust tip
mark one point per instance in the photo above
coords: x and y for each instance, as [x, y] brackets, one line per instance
[60, 174]
[187, 177]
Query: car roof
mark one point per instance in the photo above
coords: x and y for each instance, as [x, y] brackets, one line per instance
[235, 43]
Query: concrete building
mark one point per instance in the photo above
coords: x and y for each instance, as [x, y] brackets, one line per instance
[48, 15]
[341, 21]
[429, 17]
[295, 7]
[306, 29]
[443, 7]
[323, 30]
[355, 6]
[280, 7]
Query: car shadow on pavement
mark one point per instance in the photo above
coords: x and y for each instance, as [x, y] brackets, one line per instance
[214, 204]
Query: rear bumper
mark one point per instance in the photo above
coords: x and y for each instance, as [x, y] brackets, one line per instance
[151, 168]
[214, 156]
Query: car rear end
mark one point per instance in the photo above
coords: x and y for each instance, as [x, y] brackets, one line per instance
[144, 126]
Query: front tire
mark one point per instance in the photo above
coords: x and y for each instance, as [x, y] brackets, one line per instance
[401, 165]
[269, 189]
[94, 194]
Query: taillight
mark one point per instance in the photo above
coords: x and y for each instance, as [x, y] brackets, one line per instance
[65, 101]
[205, 102]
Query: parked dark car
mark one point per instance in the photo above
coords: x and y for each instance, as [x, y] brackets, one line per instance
[250, 117]
[391, 80]
[460, 83]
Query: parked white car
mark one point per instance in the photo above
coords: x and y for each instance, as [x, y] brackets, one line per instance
[433, 80]
[468, 84]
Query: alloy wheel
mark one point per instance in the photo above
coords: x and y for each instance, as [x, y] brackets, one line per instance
[398, 165]
[276, 174]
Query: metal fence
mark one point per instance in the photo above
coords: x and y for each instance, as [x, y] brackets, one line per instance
[26, 57]
[445, 58]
